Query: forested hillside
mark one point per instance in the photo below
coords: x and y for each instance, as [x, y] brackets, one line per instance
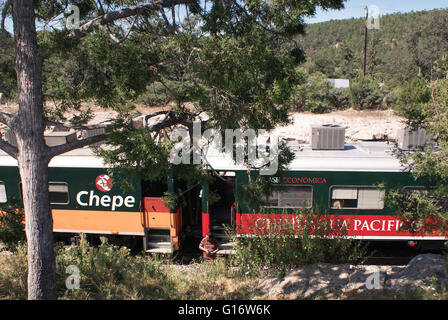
[405, 45]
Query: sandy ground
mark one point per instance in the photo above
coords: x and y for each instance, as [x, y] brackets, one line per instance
[360, 125]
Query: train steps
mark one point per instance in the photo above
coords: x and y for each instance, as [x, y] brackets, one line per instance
[158, 241]
[225, 245]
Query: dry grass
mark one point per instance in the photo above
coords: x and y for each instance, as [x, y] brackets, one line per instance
[108, 273]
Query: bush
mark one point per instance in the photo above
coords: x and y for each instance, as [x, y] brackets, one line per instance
[299, 239]
[412, 98]
[365, 94]
[313, 95]
[339, 98]
[13, 273]
[8, 82]
[12, 228]
[110, 272]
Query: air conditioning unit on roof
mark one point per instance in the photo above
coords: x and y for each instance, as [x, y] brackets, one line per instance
[56, 138]
[51, 139]
[95, 132]
[409, 139]
[327, 137]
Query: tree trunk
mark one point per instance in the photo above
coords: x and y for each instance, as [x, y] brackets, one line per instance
[33, 154]
[39, 224]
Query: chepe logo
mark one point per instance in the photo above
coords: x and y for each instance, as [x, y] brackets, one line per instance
[103, 183]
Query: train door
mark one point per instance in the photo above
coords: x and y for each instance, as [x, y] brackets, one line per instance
[222, 208]
[162, 224]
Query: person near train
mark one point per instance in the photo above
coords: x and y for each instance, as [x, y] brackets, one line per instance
[209, 247]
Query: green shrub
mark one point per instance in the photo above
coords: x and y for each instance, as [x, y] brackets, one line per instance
[13, 273]
[111, 272]
[158, 93]
[297, 240]
[313, 95]
[12, 229]
[339, 98]
[412, 98]
[366, 94]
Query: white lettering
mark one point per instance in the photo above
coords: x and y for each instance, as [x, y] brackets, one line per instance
[357, 224]
[264, 223]
[365, 225]
[398, 224]
[129, 201]
[93, 196]
[117, 201]
[78, 198]
[390, 224]
[372, 227]
[105, 201]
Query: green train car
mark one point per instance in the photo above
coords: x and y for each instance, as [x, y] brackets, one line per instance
[84, 199]
[341, 184]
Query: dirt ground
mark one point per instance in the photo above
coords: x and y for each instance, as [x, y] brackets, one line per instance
[360, 125]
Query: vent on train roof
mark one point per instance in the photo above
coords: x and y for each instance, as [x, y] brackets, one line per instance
[327, 137]
[56, 138]
[411, 139]
[51, 139]
[95, 132]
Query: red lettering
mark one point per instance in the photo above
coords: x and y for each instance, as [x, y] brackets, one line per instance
[314, 180]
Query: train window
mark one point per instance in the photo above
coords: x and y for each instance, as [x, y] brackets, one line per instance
[58, 193]
[291, 197]
[3, 198]
[357, 198]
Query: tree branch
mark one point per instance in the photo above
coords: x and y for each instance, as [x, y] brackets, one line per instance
[8, 148]
[131, 11]
[63, 148]
[167, 22]
[5, 13]
[60, 125]
[6, 118]
[117, 42]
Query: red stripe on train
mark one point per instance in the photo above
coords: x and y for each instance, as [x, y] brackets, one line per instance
[368, 226]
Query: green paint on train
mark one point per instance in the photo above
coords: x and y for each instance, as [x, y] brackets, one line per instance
[80, 189]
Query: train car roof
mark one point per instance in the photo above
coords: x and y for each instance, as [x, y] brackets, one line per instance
[79, 158]
[364, 156]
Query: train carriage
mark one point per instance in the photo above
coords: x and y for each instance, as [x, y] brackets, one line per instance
[342, 184]
[85, 199]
